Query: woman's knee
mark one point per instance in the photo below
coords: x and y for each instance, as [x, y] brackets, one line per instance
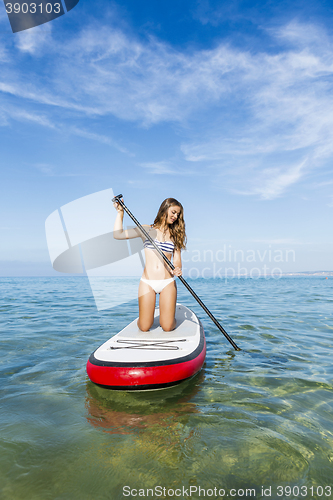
[168, 326]
[144, 326]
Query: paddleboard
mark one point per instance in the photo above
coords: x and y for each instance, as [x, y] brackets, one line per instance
[136, 360]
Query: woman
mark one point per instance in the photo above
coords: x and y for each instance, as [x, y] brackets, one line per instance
[168, 232]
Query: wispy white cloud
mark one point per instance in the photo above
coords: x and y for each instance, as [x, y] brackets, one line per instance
[167, 167]
[4, 18]
[161, 167]
[261, 120]
[104, 72]
[277, 181]
[9, 113]
[324, 183]
[289, 129]
[207, 13]
[4, 53]
[278, 241]
[49, 170]
[270, 183]
[44, 95]
[98, 137]
[34, 41]
[302, 35]
[45, 168]
[27, 116]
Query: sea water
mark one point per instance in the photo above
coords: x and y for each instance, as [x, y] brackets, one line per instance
[255, 423]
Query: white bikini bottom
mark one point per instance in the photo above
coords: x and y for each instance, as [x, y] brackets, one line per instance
[158, 285]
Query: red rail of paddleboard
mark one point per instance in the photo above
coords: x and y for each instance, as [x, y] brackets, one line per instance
[136, 376]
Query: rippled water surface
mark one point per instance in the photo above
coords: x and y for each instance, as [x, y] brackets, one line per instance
[259, 420]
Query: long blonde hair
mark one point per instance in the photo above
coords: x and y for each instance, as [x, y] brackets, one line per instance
[177, 229]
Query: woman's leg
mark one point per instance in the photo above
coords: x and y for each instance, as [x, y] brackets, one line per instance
[147, 300]
[168, 299]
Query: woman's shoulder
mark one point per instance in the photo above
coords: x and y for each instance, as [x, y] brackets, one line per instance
[147, 228]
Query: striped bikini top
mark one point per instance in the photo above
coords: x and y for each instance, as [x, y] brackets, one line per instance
[165, 246]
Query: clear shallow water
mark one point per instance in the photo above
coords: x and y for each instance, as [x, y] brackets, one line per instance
[261, 417]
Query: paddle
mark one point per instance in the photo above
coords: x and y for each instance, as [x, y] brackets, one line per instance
[117, 199]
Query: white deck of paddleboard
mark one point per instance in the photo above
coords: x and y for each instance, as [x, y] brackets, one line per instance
[131, 345]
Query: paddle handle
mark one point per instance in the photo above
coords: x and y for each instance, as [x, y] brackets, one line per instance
[117, 199]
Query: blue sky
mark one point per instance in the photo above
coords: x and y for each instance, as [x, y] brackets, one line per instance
[226, 106]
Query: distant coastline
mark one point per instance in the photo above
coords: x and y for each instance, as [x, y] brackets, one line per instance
[309, 273]
[282, 274]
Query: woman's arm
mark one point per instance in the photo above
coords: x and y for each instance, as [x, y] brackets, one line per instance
[177, 262]
[118, 232]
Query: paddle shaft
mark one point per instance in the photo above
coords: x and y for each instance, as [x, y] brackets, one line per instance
[117, 199]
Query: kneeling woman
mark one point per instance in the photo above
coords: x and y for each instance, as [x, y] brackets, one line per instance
[168, 232]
